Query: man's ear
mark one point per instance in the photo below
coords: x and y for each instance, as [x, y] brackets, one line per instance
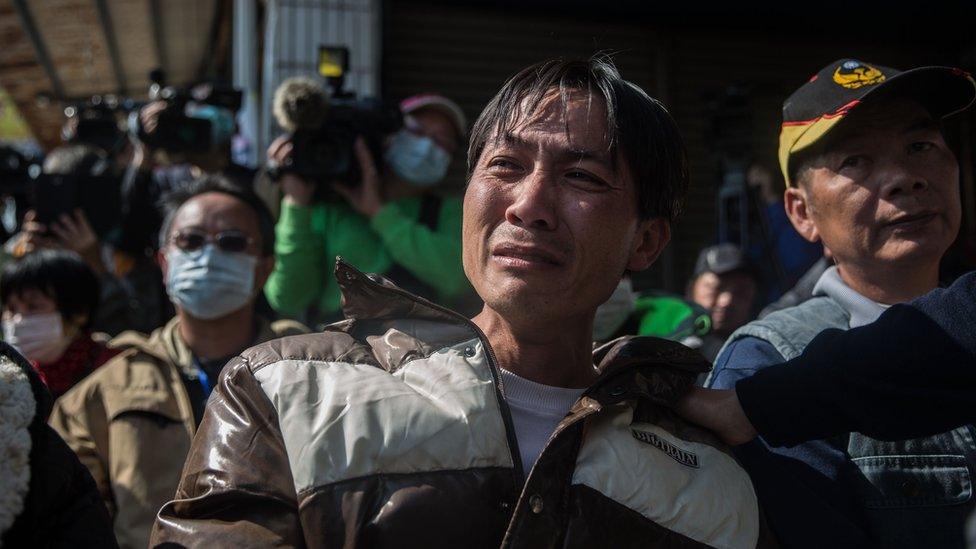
[798, 209]
[651, 238]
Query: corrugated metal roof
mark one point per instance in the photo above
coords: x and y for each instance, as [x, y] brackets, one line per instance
[77, 43]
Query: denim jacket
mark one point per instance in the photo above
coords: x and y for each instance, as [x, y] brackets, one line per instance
[915, 493]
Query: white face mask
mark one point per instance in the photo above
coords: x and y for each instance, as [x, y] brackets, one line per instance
[39, 337]
[209, 283]
[417, 159]
[614, 312]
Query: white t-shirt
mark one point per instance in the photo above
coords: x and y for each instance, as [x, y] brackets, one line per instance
[536, 411]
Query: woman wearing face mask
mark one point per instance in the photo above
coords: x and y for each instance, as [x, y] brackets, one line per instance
[48, 298]
[390, 223]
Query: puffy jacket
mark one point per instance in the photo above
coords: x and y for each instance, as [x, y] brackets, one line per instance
[131, 423]
[47, 498]
[390, 429]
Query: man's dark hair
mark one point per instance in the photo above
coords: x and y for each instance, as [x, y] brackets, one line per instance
[180, 195]
[641, 132]
[58, 274]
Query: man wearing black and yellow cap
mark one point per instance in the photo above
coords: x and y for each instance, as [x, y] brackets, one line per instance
[870, 176]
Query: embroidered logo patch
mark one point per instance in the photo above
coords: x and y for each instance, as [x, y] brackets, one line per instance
[683, 457]
[854, 74]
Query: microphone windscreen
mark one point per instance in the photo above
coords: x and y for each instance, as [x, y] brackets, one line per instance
[300, 103]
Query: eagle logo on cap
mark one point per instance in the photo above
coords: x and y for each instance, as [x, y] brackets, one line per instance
[854, 74]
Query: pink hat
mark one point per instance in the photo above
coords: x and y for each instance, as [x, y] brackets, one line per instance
[440, 103]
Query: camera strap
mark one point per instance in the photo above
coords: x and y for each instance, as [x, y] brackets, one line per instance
[430, 211]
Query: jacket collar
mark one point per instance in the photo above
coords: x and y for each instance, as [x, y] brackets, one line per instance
[860, 309]
[630, 367]
[645, 367]
[372, 297]
[168, 345]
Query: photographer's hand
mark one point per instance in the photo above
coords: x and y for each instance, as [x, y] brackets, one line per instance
[149, 115]
[297, 191]
[32, 236]
[365, 198]
[73, 232]
[719, 411]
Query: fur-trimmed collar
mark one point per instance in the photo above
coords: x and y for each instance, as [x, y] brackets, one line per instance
[17, 410]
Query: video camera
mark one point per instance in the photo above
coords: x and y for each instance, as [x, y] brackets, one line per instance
[92, 186]
[177, 130]
[96, 122]
[325, 154]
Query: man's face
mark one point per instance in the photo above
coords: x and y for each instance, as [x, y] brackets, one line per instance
[728, 298]
[213, 213]
[884, 192]
[550, 225]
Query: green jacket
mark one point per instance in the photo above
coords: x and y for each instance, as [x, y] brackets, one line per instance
[308, 239]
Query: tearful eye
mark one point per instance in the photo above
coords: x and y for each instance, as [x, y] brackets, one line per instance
[585, 177]
[503, 164]
[921, 146]
[852, 162]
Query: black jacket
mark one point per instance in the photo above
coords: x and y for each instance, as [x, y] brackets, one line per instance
[61, 506]
[910, 374]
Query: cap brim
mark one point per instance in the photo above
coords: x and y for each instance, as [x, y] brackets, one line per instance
[943, 91]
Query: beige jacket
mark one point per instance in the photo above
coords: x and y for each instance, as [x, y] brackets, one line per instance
[131, 423]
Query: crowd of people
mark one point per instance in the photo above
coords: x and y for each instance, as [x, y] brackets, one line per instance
[308, 355]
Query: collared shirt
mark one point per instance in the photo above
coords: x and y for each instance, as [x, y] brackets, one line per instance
[861, 309]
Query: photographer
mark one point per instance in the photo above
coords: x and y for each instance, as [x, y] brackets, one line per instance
[131, 296]
[178, 137]
[388, 223]
[216, 159]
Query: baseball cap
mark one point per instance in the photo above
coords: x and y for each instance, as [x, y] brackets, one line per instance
[831, 94]
[720, 259]
[439, 103]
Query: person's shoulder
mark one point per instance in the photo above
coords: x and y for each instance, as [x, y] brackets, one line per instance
[680, 360]
[748, 353]
[328, 346]
[815, 314]
[133, 363]
[812, 306]
[126, 369]
[276, 367]
[128, 339]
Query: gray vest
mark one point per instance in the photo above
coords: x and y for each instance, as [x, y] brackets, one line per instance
[915, 493]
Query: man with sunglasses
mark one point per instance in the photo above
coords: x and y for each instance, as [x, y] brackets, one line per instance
[132, 421]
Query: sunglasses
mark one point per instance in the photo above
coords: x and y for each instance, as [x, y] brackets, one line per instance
[228, 241]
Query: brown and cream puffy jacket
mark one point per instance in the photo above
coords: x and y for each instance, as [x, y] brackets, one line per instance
[391, 429]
